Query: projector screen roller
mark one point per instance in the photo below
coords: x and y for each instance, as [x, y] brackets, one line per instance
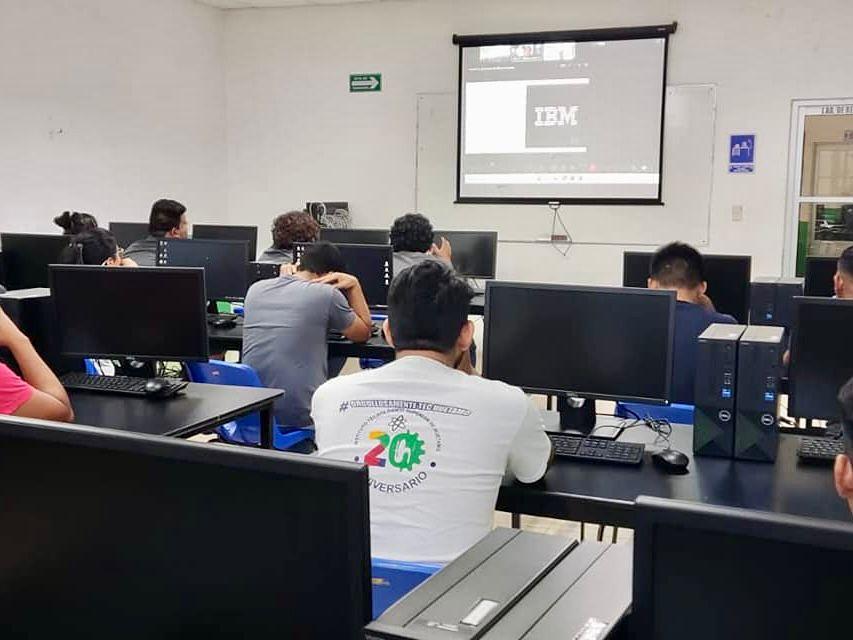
[575, 120]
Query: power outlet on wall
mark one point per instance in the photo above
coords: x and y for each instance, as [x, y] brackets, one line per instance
[737, 213]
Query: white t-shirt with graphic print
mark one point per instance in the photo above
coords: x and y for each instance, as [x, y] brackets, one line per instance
[437, 443]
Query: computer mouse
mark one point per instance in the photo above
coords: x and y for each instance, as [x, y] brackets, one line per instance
[224, 323]
[671, 461]
[155, 388]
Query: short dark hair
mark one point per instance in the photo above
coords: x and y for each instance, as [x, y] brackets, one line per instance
[678, 265]
[74, 222]
[165, 216]
[428, 304]
[94, 247]
[845, 262]
[322, 258]
[294, 226]
[411, 232]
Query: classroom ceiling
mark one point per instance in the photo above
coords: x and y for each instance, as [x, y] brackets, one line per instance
[248, 4]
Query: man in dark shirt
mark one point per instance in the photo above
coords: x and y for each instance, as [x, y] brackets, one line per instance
[168, 220]
[679, 267]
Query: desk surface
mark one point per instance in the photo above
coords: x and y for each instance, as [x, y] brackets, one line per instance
[376, 347]
[200, 407]
[606, 493]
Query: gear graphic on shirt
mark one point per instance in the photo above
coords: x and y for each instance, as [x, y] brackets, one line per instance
[413, 451]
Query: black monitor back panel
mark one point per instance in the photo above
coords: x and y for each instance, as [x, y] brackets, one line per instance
[126, 233]
[234, 233]
[820, 271]
[728, 280]
[27, 256]
[475, 253]
[115, 535]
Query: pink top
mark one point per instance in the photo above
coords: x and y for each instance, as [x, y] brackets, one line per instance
[14, 392]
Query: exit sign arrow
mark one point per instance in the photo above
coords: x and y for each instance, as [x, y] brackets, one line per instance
[364, 82]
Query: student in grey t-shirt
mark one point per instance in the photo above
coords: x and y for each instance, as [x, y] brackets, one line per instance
[168, 220]
[294, 226]
[286, 322]
[412, 239]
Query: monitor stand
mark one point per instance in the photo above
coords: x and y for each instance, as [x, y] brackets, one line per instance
[577, 417]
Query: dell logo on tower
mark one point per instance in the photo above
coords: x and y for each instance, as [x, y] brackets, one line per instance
[767, 420]
[556, 116]
[724, 416]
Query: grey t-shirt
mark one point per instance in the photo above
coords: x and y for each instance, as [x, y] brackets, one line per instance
[405, 259]
[284, 339]
[143, 252]
[277, 256]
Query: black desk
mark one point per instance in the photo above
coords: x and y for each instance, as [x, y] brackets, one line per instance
[232, 340]
[606, 493]
[200, 408]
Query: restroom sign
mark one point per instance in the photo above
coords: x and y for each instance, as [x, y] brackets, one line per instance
[742, 154]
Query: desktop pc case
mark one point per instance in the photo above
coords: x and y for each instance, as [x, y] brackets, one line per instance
[716, 384]
[757, 412]
[772, 301]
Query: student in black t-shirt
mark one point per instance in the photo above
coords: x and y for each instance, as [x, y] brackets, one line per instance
[679, 267]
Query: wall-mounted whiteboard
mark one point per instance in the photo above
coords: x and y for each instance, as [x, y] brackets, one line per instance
[687, 182]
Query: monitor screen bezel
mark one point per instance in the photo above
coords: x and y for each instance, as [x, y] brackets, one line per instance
[652, 512]
[799, 303]
[493, 243]
[252, 249]
[277, 464]
[383, 247]
[198, 272]
[487, 319]
[162, 241]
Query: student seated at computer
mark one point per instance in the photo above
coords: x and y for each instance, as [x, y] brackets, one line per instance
[437, 439]
[844, 462]
[412, 239]
[288, 228]
[679, 267]
[843, 279]
[74, 222]
[287, 321]
[95, 247]
[168, 220]
[37, 394]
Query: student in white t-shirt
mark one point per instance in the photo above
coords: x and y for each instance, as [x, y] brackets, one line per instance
[436, 438]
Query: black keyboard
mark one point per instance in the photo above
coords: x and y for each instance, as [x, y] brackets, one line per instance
[820, 450]
[596, 449]
[124, 385]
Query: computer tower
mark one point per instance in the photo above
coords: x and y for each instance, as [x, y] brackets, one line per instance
[716, 384]
[771, 301]
[757, 408]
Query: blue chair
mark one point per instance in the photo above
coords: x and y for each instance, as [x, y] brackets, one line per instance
[392, 580]
[246, 430]
[675, 413]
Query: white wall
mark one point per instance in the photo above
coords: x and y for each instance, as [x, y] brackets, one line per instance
[296, 134]
[107, 105]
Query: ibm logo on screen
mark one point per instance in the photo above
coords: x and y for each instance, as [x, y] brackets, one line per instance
[556, 116]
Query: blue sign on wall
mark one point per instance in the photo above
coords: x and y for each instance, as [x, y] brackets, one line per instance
[742, 154]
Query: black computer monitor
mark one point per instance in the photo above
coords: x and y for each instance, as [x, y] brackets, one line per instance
[475, 253]
[126, 233]
[257, 271]
[147, 313]
[109, 534]
[26, 256]
[372, 264]
[588, 342]
[224, 263]
[706, 572]
[821, 356]
[820, 271]
[228, 232]
[728, 279]
[354, 236]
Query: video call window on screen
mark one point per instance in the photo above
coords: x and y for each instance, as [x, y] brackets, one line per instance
[575, 120]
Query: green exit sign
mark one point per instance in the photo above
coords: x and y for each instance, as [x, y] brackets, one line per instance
[365, 82]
